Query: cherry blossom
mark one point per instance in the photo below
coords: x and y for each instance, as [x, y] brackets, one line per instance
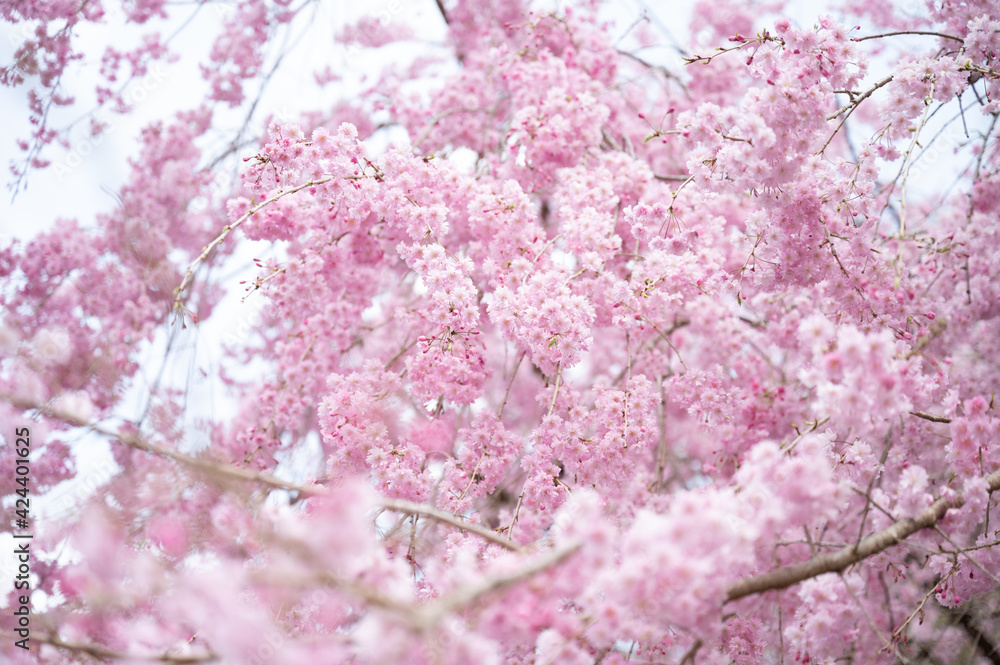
[557, 352]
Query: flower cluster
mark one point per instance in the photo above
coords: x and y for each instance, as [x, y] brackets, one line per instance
[545, 319]
[856, 377]
[551, 353]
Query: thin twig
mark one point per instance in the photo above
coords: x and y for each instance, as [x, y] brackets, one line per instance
[849, 109]
[896, 633]
[886, 445]
[912, 32]
[509, 385]
[411, 508]
[229, 228]
[907, 160]
[857, 98]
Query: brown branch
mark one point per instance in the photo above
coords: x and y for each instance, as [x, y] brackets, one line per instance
[432, 613]
[689, 655]
[975, 633]
[912, 32]
[856, 100]
[411, 508]
[104, 653]
[930, 417]
[444, 14]
[229, 228]
[787, 576]
[140, 443]
[236, 473]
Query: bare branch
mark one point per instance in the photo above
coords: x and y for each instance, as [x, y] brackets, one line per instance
[930, 417]
[912, 32]
[435, 611]
[830, 563]
[849, 108]
[236, 473]
[979, 639]
[229, 228]
[411, 508]
[444, 14]
[140, 443]
[689, 655]
[651, 67]
[857, 98]
[104, 653]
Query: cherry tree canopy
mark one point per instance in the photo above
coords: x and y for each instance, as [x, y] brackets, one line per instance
[556, 355]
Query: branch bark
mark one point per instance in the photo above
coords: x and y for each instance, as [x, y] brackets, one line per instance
[411, 508]
[912, 32]
[444, 14]
[983, 645]
[930, 416]
[900, 530]
[140, 443]
[229, 228]
[432, 613]
[228, 471]
[103, 653]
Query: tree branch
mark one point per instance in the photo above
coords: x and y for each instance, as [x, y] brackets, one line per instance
[830, 563]
[236, 473]
[229, 228]
[931, 417]
[103, 653]
[411, 508]
[912, 32]
[975, 633]
[432, 613]
[138, 442]
[444, 14]
[856, 99]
